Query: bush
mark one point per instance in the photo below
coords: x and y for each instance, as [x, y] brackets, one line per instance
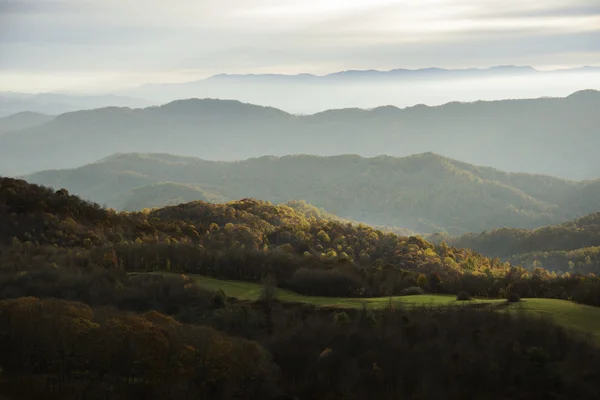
[341, 318]
[463, 296]
[514, 298]
[220, 299]
[412, 291]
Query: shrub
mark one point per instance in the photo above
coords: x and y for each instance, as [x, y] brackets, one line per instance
[514, 298]
[463, 296]
[412, 291]
[341, 318]
[220, 299]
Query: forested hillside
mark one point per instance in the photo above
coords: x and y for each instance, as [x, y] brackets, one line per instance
[573, 246]
[97, 303]
[503, 134]
[248, 239]
[424, 193]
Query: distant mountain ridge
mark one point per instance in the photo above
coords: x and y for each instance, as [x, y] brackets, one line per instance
[371, 87]
[424, 193]
[552, 136]
[431, 72]
[23, 120]
[57, 103]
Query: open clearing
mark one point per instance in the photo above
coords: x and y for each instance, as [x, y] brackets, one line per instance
[579, 317]
[251, 291]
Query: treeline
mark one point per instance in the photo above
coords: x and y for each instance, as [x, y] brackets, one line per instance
[249, 239]
[570, 247]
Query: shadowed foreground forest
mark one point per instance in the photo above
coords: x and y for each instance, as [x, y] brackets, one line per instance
[81, 317]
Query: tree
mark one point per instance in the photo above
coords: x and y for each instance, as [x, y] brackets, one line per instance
[422, 280]
[434, 281]
[323, 236]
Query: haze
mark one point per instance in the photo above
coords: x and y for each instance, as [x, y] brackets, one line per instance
[110, 46]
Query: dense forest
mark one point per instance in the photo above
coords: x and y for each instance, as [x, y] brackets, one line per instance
[96, 304]
[503, 134]
[250, 239]
[570, 247]
[413, 192]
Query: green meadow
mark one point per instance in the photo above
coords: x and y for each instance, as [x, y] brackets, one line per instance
[578, 317]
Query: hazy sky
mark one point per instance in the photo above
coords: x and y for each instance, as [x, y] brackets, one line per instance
[97, 44]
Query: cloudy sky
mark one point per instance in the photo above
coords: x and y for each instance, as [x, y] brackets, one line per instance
[94, 44]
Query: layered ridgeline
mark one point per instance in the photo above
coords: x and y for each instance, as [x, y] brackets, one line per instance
[307, 93]
[250, 239]
[554, 136]
[570, 247]
[425, 193]
[58, 103]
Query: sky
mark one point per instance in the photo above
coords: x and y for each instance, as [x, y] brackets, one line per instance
[101, 45]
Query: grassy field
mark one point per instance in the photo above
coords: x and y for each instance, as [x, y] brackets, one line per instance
[579, 317]
[251, 291]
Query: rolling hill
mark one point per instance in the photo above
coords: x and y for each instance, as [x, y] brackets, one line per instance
[424, 193]
[248, 239]
[573, 246]
[553, 136]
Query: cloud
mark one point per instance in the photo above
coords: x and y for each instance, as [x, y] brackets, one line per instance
[151, 36]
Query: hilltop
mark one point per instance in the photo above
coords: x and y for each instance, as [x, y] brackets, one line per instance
[23, 120]
[507, 134]
[424, 193]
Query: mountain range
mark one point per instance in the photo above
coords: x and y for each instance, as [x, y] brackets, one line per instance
[552, 136]
[360, 75]
[307, 93]
[57, 103]
[424, 193]
[157, 90]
